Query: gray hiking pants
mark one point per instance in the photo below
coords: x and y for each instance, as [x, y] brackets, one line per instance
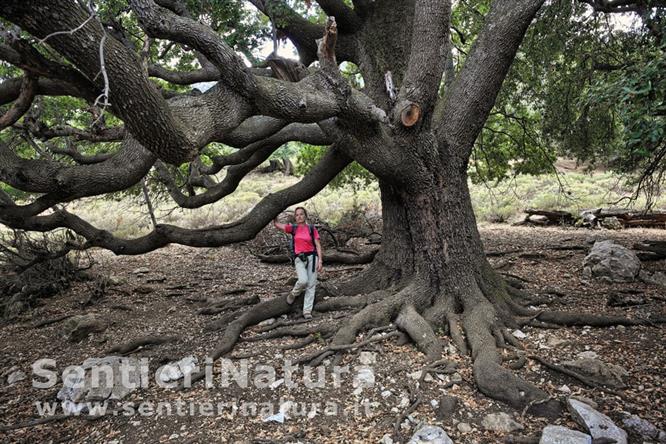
[307, 279]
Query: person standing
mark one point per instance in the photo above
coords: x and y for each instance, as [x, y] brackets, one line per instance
[308, 258]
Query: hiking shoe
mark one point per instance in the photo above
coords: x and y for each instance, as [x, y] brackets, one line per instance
[307, 315]
[291, 297]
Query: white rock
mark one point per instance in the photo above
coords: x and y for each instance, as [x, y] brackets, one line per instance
[589, 354]
[386, 439]
[15, 377]
[123, 378]
[367, 358]
[277, 383]
[564, 389]
[386, 394]
[415, 375]
[554, 341]
[173, 371]
[464, 427]
[430, 435]
[456, 377]
[519, 334]
[170, 372]
[285, 407]
[598, 424]
[142, 270]
[562, 435]
[278, 417]
[501, 422]
[587, 401]
[365, 377]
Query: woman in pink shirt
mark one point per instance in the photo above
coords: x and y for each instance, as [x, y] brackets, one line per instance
[308, 262]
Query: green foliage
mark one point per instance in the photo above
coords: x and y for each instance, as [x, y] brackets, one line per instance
[289, 149]
[593, 91]
[354, 175]
[13, 192]
[638, 92]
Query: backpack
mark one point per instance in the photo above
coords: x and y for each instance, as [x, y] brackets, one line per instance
[292, 249]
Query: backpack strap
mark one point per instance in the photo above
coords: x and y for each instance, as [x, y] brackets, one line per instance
[314, 256]
[292, 245]
[312, 238]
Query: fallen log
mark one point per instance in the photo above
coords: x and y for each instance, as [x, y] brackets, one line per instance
[609, 218]
[626, 217]
[654, 250]
[329, 258]
[549, 217]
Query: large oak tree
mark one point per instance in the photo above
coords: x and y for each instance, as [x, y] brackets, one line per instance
[413, 125]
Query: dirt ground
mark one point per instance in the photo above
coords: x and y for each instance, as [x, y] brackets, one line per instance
[166, 299]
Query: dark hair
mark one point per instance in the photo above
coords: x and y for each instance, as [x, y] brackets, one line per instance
[301, 208]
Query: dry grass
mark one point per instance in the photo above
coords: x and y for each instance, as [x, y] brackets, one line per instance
[573, 191]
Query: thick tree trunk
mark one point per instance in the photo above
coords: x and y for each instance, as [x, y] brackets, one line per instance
[433, 265]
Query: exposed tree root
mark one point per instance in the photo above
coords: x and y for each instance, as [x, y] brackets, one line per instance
[415, 402]
[420, 331]
[347, 302]
[131, 346]
[220, 306]
[45, 420]
[282, 323]
[294, 330]
[50, 321]
[582, 378]
[332, 257]
[331, 349]
[477, 319]
[493, 380]
[519, 363]
[260, 312]
[528, 319]
[221, 323]
[375, 315]
[539, 324]
[453, 322]
[293, 346]
[572, 319]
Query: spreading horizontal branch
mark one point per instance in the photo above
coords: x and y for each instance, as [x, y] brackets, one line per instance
[22, 103]
[244, 229]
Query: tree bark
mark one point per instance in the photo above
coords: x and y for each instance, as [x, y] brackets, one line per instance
[432, 257]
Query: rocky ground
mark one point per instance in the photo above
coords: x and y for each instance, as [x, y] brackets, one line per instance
[162, 295]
